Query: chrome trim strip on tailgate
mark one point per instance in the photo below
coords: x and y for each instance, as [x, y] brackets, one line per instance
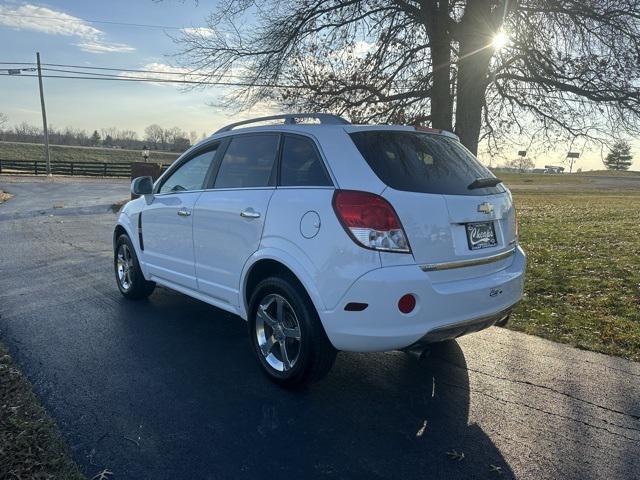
[430, 267]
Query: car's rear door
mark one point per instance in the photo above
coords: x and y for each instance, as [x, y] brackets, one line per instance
[167, 222]
[229, 215]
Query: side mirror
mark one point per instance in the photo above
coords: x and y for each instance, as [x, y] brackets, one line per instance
[142, 186]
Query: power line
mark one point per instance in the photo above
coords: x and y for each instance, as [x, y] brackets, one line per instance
[162, 80]
[110, 75]
[106, 22]
[118, 69]
[125, 78]
[83, 75]
[407, 85]
[157, 72]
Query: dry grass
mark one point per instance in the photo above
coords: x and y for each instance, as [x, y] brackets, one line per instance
[31, 446]
[4, 196]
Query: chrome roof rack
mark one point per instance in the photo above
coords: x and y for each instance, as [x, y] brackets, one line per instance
[290, 119]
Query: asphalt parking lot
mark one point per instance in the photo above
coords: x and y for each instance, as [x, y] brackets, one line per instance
[167, 388]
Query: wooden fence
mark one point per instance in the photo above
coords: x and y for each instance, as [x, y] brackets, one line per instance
[81, 169]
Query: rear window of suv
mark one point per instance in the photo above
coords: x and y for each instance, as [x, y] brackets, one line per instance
[422, 162]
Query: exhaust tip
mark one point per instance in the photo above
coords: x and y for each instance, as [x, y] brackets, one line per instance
[418, 352]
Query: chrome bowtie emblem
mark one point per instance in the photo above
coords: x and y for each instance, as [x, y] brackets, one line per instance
[485, 207]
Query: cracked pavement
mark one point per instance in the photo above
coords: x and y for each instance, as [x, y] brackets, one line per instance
[168, 388]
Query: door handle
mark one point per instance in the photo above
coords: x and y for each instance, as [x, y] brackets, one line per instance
[249, 213]
[183, 212]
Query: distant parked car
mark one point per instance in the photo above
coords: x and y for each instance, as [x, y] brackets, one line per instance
[327, 237]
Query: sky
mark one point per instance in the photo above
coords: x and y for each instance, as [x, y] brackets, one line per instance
[64, 33]
[80, 33]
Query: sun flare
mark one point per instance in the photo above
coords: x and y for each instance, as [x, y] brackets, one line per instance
[500, 40]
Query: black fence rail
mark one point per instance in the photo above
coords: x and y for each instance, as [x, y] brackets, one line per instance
[80, 169]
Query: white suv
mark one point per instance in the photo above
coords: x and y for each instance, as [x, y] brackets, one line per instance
[327, 236]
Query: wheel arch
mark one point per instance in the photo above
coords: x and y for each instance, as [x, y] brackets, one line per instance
[268, 264]
[119, 230]
[125, 229]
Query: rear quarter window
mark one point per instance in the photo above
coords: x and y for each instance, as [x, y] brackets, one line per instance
[422, 162]
[300, 164]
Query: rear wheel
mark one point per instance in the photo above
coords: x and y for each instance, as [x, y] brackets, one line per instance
[286, 334]
[129, 277]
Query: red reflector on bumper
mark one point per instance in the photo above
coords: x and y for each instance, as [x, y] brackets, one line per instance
[407, 303]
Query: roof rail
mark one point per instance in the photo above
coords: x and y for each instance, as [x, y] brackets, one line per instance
[290, 119]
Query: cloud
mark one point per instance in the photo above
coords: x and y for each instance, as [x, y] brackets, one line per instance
[161, 71]
[97, 47]
[54, 22]
[361, 48]
[199, 31]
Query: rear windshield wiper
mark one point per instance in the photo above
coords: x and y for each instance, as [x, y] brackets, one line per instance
[484, 182]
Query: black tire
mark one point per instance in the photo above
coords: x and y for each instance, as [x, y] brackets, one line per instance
[314, 353]
[135, 287]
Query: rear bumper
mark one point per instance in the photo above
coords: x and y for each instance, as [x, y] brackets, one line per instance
[444, 309]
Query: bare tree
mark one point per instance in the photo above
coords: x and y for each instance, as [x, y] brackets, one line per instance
[3, 120]
[127, 138]
[154, 134]
[491, 69]
[520, 164]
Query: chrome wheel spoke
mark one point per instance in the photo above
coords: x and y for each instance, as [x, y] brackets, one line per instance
[267, 346]
[291, 332]
[286, 363]
[268, 319]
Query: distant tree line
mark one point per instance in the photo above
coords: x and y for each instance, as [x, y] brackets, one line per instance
[155, 137]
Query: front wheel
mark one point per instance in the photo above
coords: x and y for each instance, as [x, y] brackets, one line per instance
[286, 334]
[129, 277]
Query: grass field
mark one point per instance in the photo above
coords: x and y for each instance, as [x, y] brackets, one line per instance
[574, 179]
[60, 153]
[583, 277]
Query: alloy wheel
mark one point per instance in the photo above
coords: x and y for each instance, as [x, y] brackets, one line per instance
[124, 267]
[278, 332]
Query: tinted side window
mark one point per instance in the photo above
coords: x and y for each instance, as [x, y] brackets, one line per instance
[248, 162]
[301, 165]
[189, 175]
[419, 162]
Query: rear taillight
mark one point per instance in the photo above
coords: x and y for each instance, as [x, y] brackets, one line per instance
[515, 222]
[370, 221]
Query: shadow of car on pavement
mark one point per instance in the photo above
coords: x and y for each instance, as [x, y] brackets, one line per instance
[190, 390]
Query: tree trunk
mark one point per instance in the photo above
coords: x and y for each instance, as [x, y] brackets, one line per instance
[476, 50]
[441, 99]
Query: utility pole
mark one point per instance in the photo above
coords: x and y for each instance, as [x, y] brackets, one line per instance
[44, 119]
[572, 157]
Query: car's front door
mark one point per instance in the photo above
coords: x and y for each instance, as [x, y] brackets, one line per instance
[229, 216]
[167, 223]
